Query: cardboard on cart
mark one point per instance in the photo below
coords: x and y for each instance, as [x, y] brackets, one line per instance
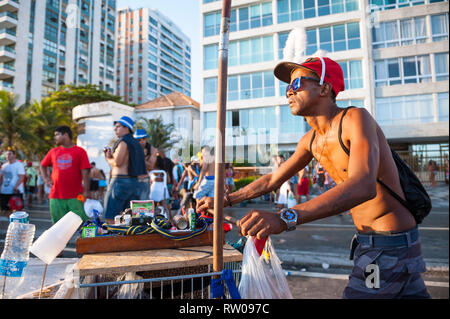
[142, 208]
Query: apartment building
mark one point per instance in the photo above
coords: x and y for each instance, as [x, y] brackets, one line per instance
[48, 43]
[153, 56]
[394, 54]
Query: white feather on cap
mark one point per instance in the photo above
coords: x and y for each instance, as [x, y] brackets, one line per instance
[295, 48]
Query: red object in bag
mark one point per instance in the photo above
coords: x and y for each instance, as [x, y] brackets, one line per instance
[259, 244]
[15, 203]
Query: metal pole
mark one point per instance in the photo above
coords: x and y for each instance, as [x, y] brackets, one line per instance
[218, 234]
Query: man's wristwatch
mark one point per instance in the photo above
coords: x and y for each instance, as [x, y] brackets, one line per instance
[289, 216]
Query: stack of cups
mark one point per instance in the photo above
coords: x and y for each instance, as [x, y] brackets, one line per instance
[55, 239]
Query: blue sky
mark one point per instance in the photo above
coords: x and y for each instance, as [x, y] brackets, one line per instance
[186, 15]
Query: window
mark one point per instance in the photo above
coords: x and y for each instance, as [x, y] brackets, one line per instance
[405, 109]
[211, 24]
[242, 87]
[210, 90]
[443, 106]
[210, 58]
[346, 103]
[282, 38]
[292, 10]
[254, 50]
[339, 37]
[399, 32]
[441, 66]
[439, 27]
[352, 70]
[394, 4]
[415, 69]
[209, 119]
[255, 16]
[243, 19]
[233, 88]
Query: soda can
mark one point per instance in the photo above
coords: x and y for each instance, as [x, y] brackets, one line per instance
[20, 216]
[117, 219]
[192, 218]
[180, 222]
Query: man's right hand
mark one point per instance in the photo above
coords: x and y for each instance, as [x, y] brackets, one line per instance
[205, 203]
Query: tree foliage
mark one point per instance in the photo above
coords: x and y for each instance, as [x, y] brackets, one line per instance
[29, 128]
[160, 135]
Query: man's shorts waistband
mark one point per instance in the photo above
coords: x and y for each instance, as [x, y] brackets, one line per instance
[395, 240]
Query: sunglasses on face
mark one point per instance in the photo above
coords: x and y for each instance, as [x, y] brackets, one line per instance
[297, 84]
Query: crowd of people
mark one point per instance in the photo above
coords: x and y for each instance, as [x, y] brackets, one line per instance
[138, 171]
[299, 187]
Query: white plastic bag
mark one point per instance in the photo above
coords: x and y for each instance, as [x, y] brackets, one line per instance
[262, 276]
[291, 202]
[90, 205]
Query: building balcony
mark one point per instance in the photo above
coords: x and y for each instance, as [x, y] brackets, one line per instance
[7, 37]
[6, 86]
[9, 5]
[6, 71]
[8, 20]
[7, 54]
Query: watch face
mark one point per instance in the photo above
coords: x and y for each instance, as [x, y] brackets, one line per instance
[288, 215]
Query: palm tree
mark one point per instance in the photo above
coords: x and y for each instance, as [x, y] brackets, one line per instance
[160, 135]
[14, 123]
[45, 117]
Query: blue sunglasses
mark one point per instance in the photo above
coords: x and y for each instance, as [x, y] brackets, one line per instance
[297, 84]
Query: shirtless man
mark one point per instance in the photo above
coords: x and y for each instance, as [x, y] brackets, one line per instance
[387, 233]
[127, 163]
[205, 185]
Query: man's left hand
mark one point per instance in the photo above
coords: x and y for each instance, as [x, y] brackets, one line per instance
[261, 224]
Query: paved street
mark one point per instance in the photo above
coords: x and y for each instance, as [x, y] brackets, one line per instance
[316, 254]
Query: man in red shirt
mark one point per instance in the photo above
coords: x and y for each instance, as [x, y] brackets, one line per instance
[71, 166]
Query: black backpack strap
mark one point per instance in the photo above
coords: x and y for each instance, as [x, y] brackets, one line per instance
[347, 151]
[312, 140]
[394, 194]
[344, 148]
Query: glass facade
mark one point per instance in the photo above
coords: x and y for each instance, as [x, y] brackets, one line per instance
[292, 10]
[404, 70]
[340, 37]
[407, 48]
[405, 109]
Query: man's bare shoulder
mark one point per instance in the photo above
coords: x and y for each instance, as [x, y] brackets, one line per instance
[358, 115]
[122, 145]
[303, 144]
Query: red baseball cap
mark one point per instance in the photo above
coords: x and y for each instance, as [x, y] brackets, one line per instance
[328, 70]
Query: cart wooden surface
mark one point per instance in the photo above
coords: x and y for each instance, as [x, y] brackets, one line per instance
[149, 260]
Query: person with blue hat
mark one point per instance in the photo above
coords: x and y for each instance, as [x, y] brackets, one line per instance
[150, 152]
[128, 171]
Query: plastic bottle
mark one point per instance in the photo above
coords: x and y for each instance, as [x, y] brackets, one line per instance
[14, 258]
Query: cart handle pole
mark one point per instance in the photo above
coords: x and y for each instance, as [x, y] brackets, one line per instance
[218, 233]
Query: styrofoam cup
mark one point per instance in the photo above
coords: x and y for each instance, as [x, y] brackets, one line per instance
[54, 240]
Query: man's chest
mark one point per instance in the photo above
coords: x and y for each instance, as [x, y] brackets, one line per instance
[329, 153]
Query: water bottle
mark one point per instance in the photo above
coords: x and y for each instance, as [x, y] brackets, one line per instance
[14, 258]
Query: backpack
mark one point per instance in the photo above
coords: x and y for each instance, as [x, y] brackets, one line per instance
[417, 200]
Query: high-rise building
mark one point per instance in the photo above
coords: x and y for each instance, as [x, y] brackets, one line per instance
[48, 43]
[153, 56]
[394, 55]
